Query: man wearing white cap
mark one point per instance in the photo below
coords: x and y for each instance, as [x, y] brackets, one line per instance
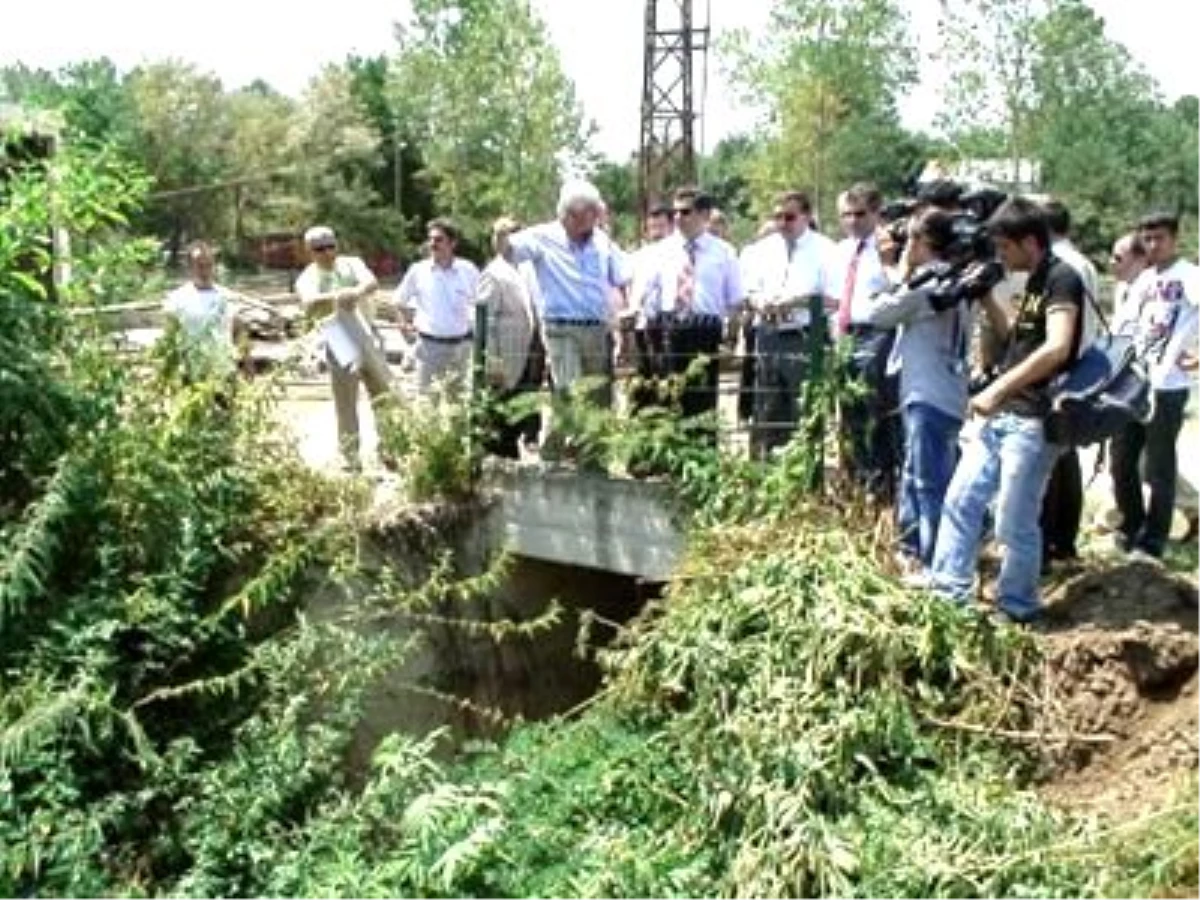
[577, 266]
[336, 288]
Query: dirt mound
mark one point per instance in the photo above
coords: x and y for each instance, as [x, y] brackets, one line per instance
[1122, 655]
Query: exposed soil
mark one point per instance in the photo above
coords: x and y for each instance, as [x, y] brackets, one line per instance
[1122, 676]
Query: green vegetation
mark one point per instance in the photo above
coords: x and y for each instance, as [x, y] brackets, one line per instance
[785, 721]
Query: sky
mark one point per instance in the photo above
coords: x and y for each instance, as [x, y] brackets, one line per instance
[600, 42]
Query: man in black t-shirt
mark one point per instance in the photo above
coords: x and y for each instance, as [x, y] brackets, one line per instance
[1006, 455]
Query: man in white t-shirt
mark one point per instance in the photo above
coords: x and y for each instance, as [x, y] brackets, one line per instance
[1161, 315]
[204, 316]
[437, 298]
[336, 288]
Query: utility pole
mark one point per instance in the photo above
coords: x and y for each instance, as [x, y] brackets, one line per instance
[675, 51]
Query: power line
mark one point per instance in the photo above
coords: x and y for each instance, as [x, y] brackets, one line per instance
[219, 185]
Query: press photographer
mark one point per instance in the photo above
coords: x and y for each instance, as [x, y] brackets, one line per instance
[1008, 458]
[932, 339]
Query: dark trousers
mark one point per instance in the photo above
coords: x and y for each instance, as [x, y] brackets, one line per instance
[686, 343]
[871, 420]
[1144, 529]
[508, 427]
[746, 393]
[781, 363]
[1062, 508]
[649, 347]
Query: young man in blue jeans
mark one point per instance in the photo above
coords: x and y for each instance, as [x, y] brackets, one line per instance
[1006, 455]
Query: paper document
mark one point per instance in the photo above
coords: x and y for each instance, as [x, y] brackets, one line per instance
[345, 346]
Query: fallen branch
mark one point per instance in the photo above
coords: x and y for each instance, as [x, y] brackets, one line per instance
[1023, 735]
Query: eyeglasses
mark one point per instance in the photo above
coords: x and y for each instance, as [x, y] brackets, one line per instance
[684, 211]
[786, 217]
[319, 248]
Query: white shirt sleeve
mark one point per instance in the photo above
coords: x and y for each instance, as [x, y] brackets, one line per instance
[358, 269]
[307, 285]
[406, 291]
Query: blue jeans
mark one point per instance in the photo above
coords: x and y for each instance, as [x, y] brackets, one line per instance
[1009, 460]
[930, 452]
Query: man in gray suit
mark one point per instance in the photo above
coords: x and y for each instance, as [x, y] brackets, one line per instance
[514, 356]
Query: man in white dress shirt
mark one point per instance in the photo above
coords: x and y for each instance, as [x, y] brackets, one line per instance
[695, 287]
[648, 333]
[786, 279]
[870, 422]
[1128, 260]
[337, 288]
[437, 299]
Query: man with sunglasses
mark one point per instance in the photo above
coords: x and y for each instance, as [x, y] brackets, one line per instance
[870, 421]
[789, 268]
[1128, 260]
[696, 285]
[437, 298]
[336, 288]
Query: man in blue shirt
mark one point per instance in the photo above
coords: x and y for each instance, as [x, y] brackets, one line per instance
[577, 268]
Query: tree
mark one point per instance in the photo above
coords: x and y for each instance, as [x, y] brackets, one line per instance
[826, 77]
[482, 89]
[989, 47]
[338, 158]
[261, 149]
[182, 135]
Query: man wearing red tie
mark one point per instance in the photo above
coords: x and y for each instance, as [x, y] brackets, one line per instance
[696, 285]
[870, 431]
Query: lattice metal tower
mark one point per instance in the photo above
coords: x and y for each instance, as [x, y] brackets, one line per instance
[676, 52]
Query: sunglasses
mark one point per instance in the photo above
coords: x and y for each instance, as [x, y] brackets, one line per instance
[786, 217]
[318, 248]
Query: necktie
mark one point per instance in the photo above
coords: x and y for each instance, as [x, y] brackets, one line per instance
[685, 292]
[843, 315]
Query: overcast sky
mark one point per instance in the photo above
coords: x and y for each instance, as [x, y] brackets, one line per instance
[285, 43]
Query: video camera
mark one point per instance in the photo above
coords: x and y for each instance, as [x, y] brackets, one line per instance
[969, 268]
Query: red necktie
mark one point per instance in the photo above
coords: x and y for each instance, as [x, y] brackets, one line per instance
[843, 314]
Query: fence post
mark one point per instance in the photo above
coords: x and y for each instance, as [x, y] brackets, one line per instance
[817, 381]
[476, 414]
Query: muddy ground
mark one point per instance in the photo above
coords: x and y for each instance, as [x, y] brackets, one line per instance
[1122, 656]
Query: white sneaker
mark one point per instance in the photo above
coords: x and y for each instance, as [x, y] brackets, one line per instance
[1141, 556]
[919, 580]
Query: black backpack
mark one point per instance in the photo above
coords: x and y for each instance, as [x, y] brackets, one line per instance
[1105, 389]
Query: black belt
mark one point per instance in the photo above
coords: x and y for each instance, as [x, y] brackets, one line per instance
[694, 321]
[434, 339]
[576, 323]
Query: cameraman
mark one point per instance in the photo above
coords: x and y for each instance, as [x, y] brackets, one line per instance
[1007, 458]
[931, 348]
